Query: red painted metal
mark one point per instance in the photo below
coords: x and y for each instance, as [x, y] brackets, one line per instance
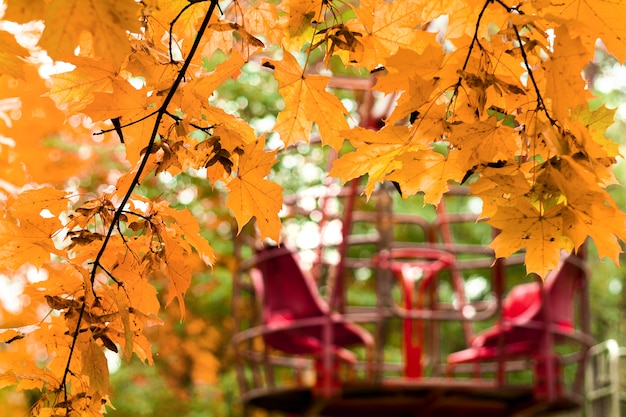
[405, 263]
[289, 297]
[534, 316]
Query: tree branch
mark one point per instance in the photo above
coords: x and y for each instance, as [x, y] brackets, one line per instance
[142, 166]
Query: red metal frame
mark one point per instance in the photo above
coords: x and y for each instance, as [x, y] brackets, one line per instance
[304, 334]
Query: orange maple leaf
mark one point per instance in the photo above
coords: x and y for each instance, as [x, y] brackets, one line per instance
[11, 55]
[75, 89]
[307, 101]
[415, 74]
[376, 153]
[251, 195]
[602, 220]
[28, 236]
[500, 186]
[177, 270]
[107, 21]
[591, 18]
[427, 171]
[539, 231]
[564, 84]
[483, 142]
[385, 27]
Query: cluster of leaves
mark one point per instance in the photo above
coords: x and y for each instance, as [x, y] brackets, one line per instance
[485, 92]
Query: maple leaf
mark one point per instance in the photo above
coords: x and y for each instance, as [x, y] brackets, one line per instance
[177, 270]
[30, 238]
[414, 74]
[499, 187]
[385, 27]
[262, 18]
[376, 154]
[427, 171]
[76, 88]
[187, 225]
[540, 232]
[593, 18]
[602, 221]
[108, 21]
[124, 102]
[306, 101]
[461, 17]
[94, 364]
[484, 142]
[206, 85]
[591, 132]
[251, 195]
[564, 83]
[11, 62]
[299, 13]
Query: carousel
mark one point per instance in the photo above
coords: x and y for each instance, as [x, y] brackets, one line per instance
[373, 307]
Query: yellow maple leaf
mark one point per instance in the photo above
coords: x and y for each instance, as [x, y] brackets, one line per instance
[108, 21]
[262, 18]
[483, 142]
[206, 84]
[427, 171]
[75, 89]
[602, 220]
[540, 232]
[498, 187]
[251, 195]
[376, 154]
[307, 101]
[564, 84]
[125, 102]
[461, 17]
[11, 55]
[594, 19]
[590, 131]
[385, 27]
[407, 63]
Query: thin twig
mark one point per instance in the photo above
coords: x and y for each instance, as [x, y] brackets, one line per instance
[541, 105]
[471, 47]
[102, 132]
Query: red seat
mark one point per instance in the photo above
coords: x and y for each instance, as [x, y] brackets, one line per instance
[293, 311]
[527, 316]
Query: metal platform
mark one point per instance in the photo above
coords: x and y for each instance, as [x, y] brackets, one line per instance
[402, 398]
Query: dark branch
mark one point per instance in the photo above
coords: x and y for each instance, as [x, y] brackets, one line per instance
[142, 166]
